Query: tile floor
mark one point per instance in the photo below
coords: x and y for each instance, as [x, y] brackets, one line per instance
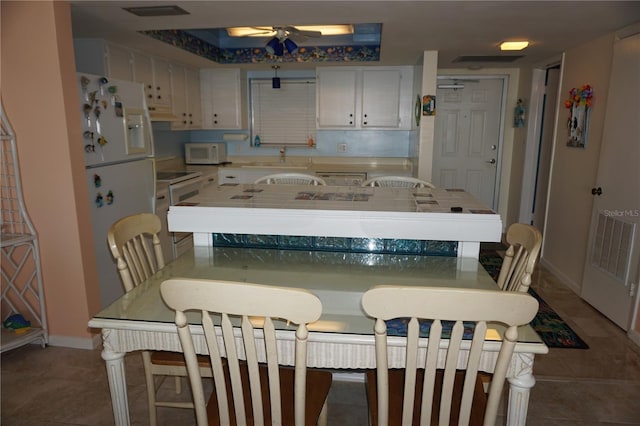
[598, 386]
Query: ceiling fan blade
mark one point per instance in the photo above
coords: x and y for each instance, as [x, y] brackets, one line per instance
[304, 33]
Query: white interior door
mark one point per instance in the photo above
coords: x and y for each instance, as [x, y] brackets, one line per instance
[543, 166]
[613, 259]
[467, 137]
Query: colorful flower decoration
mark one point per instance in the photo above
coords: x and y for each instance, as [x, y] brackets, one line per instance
[580, 97]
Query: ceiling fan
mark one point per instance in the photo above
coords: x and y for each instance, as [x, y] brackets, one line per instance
[281, 33]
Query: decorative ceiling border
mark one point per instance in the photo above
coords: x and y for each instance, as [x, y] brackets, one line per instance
[257, 55]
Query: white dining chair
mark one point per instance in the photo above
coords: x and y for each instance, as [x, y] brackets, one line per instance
[520, 258]
[135, 245]
[249, 390]
[423, 392]
[291, 179]
[398, 181]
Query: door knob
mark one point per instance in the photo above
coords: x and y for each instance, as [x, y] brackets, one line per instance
[492, 161]
[596, 191]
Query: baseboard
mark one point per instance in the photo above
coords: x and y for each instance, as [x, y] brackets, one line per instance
[88, 343]
[572, 285]
[634, 336]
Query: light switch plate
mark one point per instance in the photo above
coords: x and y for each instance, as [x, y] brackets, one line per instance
[342, 147]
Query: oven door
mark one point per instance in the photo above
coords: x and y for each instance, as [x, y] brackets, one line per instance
[178, 193]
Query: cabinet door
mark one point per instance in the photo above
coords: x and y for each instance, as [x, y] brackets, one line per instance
[381, 98]
[221, 99]
[143, 73]
[179, 97]
[194, 108]
[336, 98]
[162, 82]
[119, 62]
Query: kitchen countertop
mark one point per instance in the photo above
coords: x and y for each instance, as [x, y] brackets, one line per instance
[383, 166]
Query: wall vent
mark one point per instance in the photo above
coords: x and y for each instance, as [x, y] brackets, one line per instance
[612, 245]
[156, 10]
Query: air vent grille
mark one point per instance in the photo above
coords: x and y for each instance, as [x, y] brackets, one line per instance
[156, 10]
[488, 58]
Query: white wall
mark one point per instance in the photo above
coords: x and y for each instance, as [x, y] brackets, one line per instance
[574, 170]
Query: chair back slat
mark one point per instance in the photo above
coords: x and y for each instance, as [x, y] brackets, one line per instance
[215, 354]
[247, 313]
[520, 258]
[135, 245]
[398, 182]
[438, 304]
[291, 179]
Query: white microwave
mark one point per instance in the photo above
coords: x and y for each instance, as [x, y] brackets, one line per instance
[205, 153]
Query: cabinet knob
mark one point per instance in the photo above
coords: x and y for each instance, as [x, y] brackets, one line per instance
[351, 122]
[184, 121]
[365, 116]
[215, 121]
[150, 96]
[350, 115]
[158, 88]
[215, 115]
[159, 97]
[365, 123]
[184, 114]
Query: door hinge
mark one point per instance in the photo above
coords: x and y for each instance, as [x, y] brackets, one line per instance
[632, 289]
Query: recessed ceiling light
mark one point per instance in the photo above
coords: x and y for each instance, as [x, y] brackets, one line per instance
[513, 45]
[156, 10]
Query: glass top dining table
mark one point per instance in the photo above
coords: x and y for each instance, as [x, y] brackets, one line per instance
[341, 339]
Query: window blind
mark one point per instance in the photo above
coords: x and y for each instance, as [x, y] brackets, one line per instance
[285, 116]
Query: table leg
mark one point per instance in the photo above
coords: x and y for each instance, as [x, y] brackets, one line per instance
[117, 386]
[519, 389]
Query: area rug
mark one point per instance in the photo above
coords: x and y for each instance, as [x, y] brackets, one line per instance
[547, 323]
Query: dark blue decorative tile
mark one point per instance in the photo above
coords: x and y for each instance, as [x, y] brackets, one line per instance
[339, 244]
[228, 240]
[440, 248]
[403, 246]
[332, 243]
[295, 242]
[261, 241]
[367, 245]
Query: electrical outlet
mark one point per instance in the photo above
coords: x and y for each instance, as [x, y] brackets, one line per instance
[342, 147]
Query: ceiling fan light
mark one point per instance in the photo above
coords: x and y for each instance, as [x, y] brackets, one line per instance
[292, 48]
[274, 47]
[514, 45]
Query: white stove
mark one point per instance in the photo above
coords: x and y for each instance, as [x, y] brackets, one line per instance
[182, 185]
[173, 177]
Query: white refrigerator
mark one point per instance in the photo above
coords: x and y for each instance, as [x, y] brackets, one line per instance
[118, 151]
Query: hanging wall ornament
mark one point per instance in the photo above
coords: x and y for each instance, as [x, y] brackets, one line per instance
[579, 105]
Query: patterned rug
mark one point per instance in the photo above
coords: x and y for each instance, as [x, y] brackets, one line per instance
[547, 323]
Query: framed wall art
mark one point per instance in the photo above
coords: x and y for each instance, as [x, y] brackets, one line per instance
[578, 104]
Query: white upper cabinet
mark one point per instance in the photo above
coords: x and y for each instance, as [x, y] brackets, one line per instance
[221, 91]
[119, 62]
[155, 74]
[185, 96]
[364, 98]
[336, 98]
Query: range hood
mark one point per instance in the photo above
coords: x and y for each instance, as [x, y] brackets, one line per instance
[161, 114]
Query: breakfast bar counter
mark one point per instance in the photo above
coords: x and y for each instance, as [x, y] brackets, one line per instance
[374, 213]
